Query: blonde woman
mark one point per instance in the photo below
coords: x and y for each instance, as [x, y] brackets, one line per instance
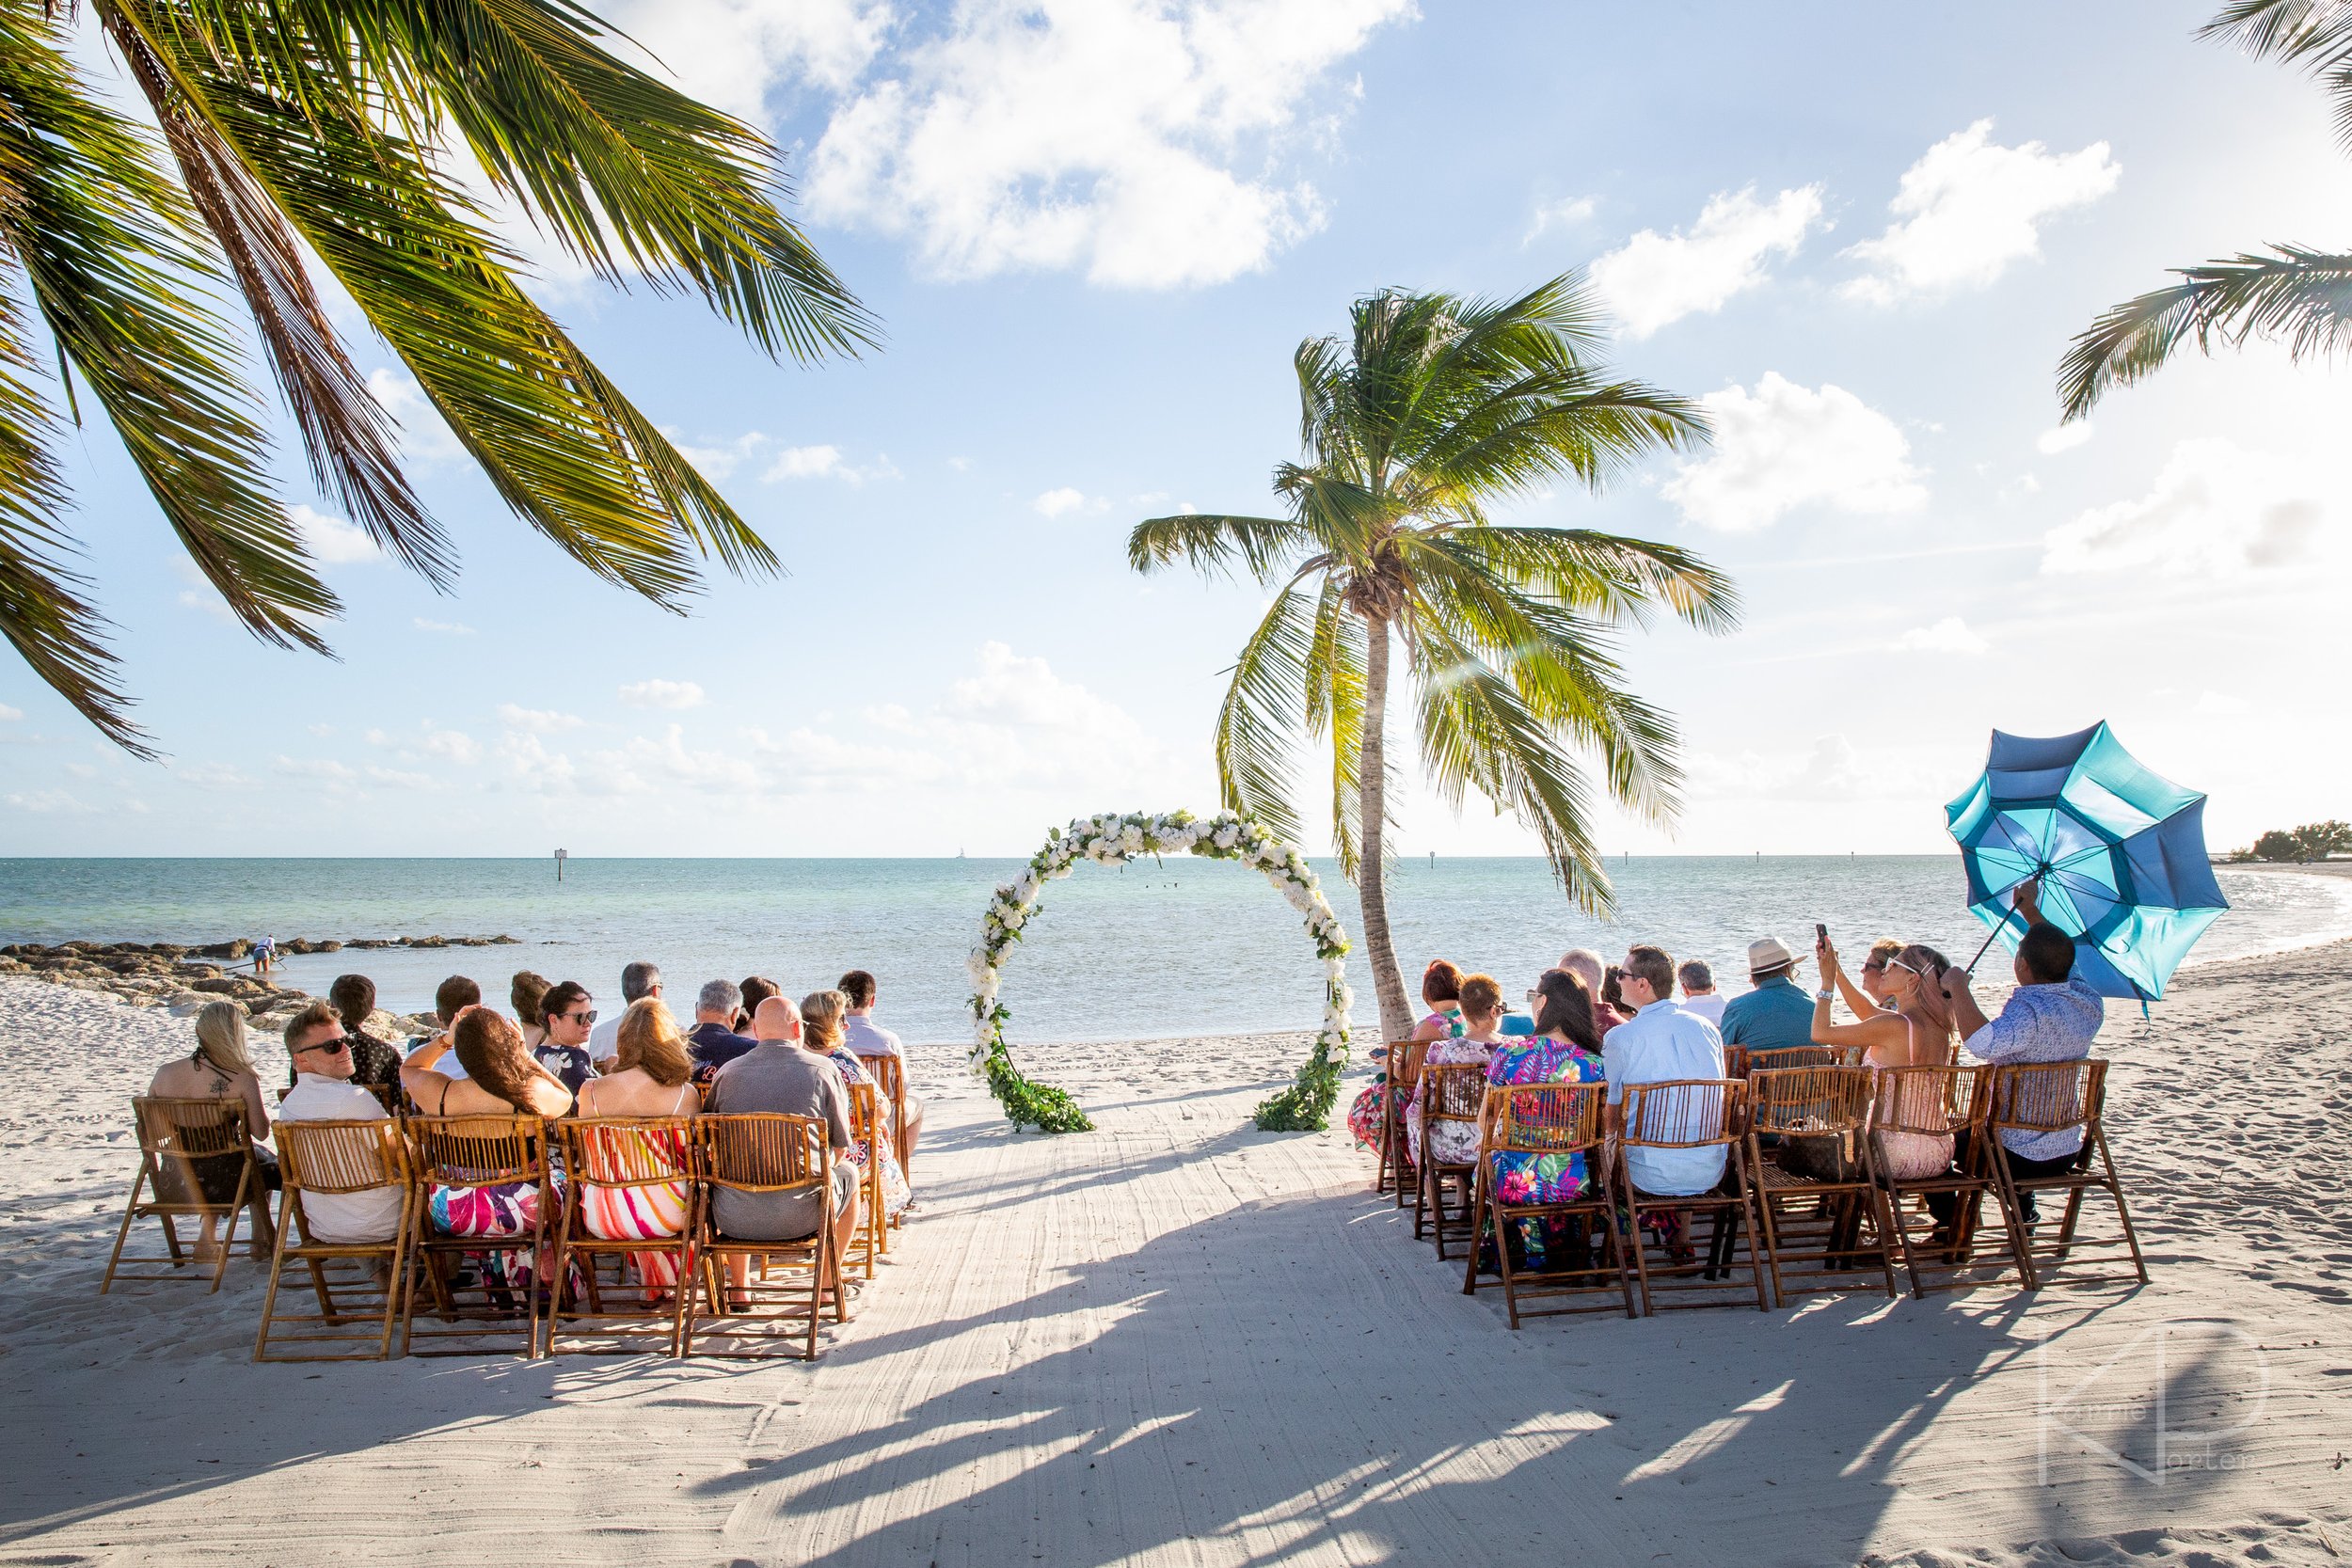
[650, 1077]
[1915, 1032]
[220, 1067]
[822, 1033]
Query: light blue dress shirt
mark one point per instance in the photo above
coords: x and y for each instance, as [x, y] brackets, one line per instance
[1657, 1044]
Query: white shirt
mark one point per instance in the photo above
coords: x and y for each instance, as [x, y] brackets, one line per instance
[1708, 1006]
[1659, 1043]
[604, 1041]
[861, 1034]
[373, 1215]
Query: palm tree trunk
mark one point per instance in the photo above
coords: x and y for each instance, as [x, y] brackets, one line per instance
[1387, 981]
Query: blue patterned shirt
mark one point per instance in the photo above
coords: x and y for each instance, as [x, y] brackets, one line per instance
[2041, 1023]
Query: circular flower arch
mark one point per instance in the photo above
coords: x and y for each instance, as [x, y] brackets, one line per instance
[1111, 839]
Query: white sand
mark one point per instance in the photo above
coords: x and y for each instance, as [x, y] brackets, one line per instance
[1179, 1341]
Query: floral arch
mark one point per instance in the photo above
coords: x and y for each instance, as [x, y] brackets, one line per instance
[1111, 839]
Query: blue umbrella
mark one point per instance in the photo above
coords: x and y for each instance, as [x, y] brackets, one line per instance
[2121, 853]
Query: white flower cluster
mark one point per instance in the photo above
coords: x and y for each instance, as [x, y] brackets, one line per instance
[1111, 839]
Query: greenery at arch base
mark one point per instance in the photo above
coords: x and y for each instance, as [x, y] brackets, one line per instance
[1112, 839]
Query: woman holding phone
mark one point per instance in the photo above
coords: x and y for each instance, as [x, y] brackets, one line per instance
[1917, 1033]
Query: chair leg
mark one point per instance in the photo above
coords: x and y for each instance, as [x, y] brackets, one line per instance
[1747, 1226]
[228, 1237]
[2123, 1213]
[276, 1265]
[1633, 1233]
[122, 1231]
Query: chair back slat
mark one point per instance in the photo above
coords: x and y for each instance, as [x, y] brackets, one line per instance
[477, 1151]
[1453, 1091]
[1684, 1113]
[761, 1151]
[1936, 1101]
[627, 1152]
[1814, 1098]
[1545, 1118]
[890, 1073]
[341, 1157]
[1405, 1059]
[2046, 1097]
[190, 1129]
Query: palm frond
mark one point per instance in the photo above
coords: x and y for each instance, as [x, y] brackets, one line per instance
[2314, 34]
[1212, 544]
[1262, 710]
[2300, 297]
[1606, 575]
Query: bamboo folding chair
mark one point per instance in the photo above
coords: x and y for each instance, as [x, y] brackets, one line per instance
[465, 1157]
[181, 1142]
[1683, 1113]
[873, 1237]
[1825, 1249]
[2052, 1097]
[891, 1073]
[1735, 1061]
[644, 1164]
[1561, 1120]
[1403, 1073]
[1939, 1101]
[765, 1152]
[1452, 1094]
[355, 1284]
[1784, 1057]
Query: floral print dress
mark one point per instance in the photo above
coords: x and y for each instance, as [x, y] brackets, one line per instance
[1453, 1143]
[1364, 1115]
[895, 1192]
[1540, 1244]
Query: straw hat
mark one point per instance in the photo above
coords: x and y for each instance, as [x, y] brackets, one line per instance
[1768, 953]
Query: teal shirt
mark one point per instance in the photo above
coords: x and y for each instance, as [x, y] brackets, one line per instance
[1776, 1014]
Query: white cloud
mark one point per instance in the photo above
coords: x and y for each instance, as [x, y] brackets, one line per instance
[732, 54]
[444, 629]
[213, 775]
[50, 802]
[825, 462]
[325, 770]
[2062, 437]
[1062, 502]
[423, 437]
[1950, 635]
[1784, 446]
[717, 464]
[1547, 215]
[1142, 142]
[2214, 704]
[451, 746]
[1969, 207]
[537, 720]
[2214, 511]
[1657, 278]
[660, 693]
[10, 715]
[332, 540]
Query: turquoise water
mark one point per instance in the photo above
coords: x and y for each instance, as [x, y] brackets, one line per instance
[1186, 946]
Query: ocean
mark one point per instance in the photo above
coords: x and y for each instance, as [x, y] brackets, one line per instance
[1180, 947]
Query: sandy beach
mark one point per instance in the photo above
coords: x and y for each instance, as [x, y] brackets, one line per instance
[1179, 1341]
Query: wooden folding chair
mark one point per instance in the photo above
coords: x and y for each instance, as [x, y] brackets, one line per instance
[644, 1167]
[1939, 1101]
[1451, 1095]
[1559, 1120]
[479, 1165]
[1735, 1061]
[1781, 1057]
[1686, 1114]
[873, 1237]
[891, 1073]
[1403, 1073]
[2039, 1097]
[1822, 1225]
[765, 1152]
[355, 1284]
[183, 1144]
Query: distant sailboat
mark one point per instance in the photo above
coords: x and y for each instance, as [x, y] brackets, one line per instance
[959, 851]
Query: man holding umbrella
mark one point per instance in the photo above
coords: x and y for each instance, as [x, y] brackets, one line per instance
[2052, 1016]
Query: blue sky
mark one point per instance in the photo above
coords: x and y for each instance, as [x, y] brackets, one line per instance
[1095, 232]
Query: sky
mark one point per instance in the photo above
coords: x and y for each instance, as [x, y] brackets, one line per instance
[1095, 231]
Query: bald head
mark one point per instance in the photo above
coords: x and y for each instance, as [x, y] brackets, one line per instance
[1585, 965]
[776, 1019]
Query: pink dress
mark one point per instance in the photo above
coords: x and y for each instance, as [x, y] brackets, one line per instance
[1911, 1156]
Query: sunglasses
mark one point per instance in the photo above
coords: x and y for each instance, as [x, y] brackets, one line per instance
[588, 1017]
[1897, 964]
[328, 1047]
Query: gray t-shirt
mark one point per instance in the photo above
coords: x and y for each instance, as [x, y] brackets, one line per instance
[778, 1077]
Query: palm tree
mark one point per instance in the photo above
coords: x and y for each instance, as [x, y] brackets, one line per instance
[337, 135]
[1432, 410]
[2292, 293]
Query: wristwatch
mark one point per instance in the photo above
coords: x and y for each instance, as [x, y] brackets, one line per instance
[1824, 995]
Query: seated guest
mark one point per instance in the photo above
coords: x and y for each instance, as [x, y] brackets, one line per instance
[453, 996]
[823, 1016]
[2051, 1017]
[757, 989]
[713, 1042]
[1441, 990]
[1585, 965]
[220, 1069]
[322, 1047]
[777, 1075]
[527, 994]
[1456, 1143]
[1870, 995]
[868, 1038]
[375, 1062]
[1659, 1043]
[501, 1079]
[566, 1013]
[1777, 1013]
[1565, 1048]
[1699, 994]
[638, 981]
[1917, 1031]
[651, 1076]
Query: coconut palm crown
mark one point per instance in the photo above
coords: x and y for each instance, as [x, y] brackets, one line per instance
[1432, 410]
[300, 141]
[2290, 293]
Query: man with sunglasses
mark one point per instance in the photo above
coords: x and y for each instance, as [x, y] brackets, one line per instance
[323, 1091]
[567, 1012]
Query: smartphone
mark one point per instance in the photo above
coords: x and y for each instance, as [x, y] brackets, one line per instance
[1821, 931]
